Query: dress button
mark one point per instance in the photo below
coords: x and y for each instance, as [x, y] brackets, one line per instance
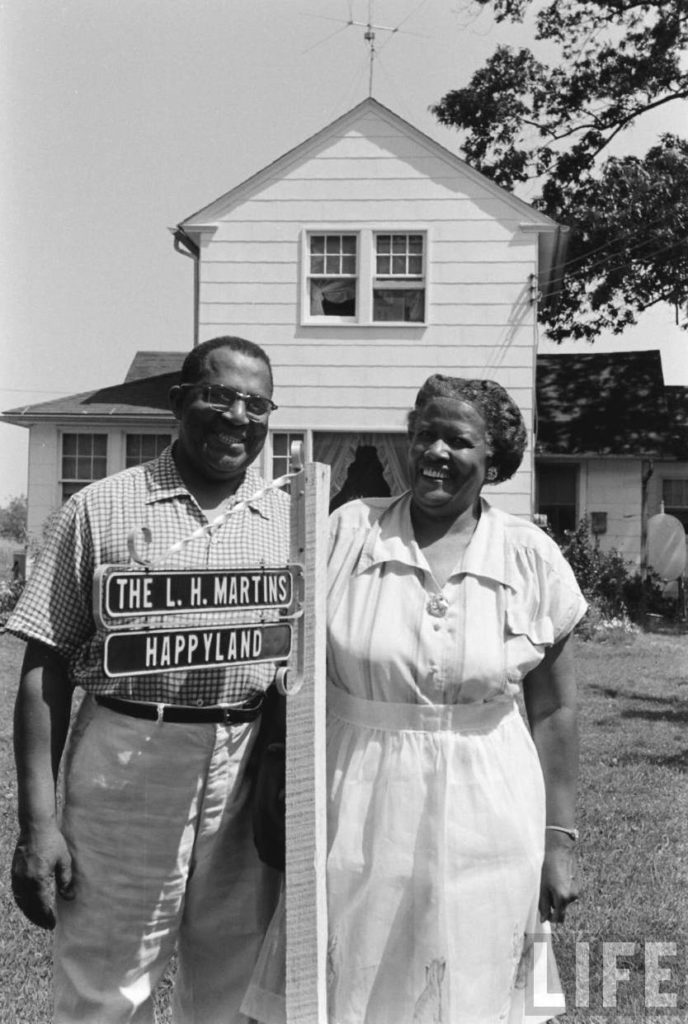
[435, 626]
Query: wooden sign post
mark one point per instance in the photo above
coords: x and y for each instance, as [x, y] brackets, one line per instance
[306, 813]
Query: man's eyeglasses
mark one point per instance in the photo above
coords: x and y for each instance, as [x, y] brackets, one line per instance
[222, 399]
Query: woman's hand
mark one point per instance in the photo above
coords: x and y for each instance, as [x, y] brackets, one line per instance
[559, 879]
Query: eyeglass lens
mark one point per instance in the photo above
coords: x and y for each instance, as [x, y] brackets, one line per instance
[223, 398]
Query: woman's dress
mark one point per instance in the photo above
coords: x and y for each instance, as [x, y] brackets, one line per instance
[436, 808]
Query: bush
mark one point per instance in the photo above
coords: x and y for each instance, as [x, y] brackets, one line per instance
[616, 592]
[10, 591]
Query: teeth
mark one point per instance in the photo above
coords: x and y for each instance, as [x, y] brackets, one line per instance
[435, 474]
[230, 438]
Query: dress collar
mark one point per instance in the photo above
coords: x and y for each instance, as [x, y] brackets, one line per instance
[164, 482]
[392, 540]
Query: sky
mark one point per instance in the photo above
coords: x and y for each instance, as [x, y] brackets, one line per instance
[120, 119]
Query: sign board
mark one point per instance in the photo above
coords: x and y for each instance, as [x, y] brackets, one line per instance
[121, 593]
[145, 651]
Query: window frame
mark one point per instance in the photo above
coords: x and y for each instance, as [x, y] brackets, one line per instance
[141, 434]
[679, 512]
[80, 482]
[366, 275]
[575, 468]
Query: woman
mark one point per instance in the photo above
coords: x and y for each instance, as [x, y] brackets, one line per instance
[451, 832]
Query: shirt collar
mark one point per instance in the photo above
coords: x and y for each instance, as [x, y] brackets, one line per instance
[164, 482]
[392, 540]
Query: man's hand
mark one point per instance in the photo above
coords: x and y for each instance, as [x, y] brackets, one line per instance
[41, 862]
[558, 882]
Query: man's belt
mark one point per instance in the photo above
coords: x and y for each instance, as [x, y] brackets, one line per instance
[232, 714]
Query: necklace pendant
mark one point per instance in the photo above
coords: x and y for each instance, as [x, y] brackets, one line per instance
[437, 605]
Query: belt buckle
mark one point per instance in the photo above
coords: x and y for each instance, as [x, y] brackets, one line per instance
[227, 715]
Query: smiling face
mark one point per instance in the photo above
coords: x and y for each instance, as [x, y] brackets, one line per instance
[216, 447]
[448, 457]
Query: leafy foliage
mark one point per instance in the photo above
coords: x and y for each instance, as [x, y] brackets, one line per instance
[613, 589]
[13, 520]
[524, 119]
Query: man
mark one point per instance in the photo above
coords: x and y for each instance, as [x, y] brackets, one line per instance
[154, 847]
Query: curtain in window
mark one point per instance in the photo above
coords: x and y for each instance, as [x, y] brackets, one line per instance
[339, 450]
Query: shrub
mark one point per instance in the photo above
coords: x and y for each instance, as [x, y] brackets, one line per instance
[615, 591]
[10, 591]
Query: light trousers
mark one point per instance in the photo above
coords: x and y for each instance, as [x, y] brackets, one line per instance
[157, 819]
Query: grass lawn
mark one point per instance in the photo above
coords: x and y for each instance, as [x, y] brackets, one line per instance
[634, 847]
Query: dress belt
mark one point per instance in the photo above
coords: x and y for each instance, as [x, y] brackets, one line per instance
[183, 713]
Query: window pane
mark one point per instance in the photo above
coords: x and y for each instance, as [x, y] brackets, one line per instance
[69, 489]
[69, 444]
[415, 265]
[99, 444]
[383, 243]
[83, 468]
[399, 243]
[333, 243]
[349, 244]
[349, 265]
[317, 243]
[398, 264]
[317, 265]
[68, 467]
[383, 265]
[332, 264]
[406, 305]
[416, 243]
[333, 297]
[99, 468]
[279, 444]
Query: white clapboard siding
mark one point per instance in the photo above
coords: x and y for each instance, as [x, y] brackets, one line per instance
[466, 293]
[232, 240]
[233, 315]
[295, 357]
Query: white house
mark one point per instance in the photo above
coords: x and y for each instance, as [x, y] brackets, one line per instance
[362, 261]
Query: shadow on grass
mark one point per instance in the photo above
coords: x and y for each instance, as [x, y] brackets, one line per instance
[677, 762]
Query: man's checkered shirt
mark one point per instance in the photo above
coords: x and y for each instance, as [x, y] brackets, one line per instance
[92, 530]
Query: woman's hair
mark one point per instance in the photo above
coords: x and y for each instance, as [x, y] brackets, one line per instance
[505, 430]
[195, 362]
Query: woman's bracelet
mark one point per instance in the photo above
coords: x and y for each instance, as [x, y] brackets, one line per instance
[572, 833]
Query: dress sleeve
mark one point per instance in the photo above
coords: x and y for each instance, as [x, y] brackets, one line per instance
[55, 606]
[549, 602]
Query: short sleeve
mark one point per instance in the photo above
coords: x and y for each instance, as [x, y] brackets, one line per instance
[547, 602]
[55, 606]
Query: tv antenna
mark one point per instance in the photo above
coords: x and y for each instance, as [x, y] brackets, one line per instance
[369, 35]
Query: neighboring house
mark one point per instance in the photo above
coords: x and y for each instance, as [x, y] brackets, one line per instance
[612, 444]
[363, 260]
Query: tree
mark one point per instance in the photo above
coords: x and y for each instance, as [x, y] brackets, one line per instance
[525, 119]
[13, 520]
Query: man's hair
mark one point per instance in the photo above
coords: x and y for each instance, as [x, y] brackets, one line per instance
[195, 362]
[504, 427]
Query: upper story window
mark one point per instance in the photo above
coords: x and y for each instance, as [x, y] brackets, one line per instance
[332, 281]
[398, 286]
[675, 498]
[84, 459]
[370, 276]
[142, 448]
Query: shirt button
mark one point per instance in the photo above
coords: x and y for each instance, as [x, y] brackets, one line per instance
[199, 702]
[436, 626]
